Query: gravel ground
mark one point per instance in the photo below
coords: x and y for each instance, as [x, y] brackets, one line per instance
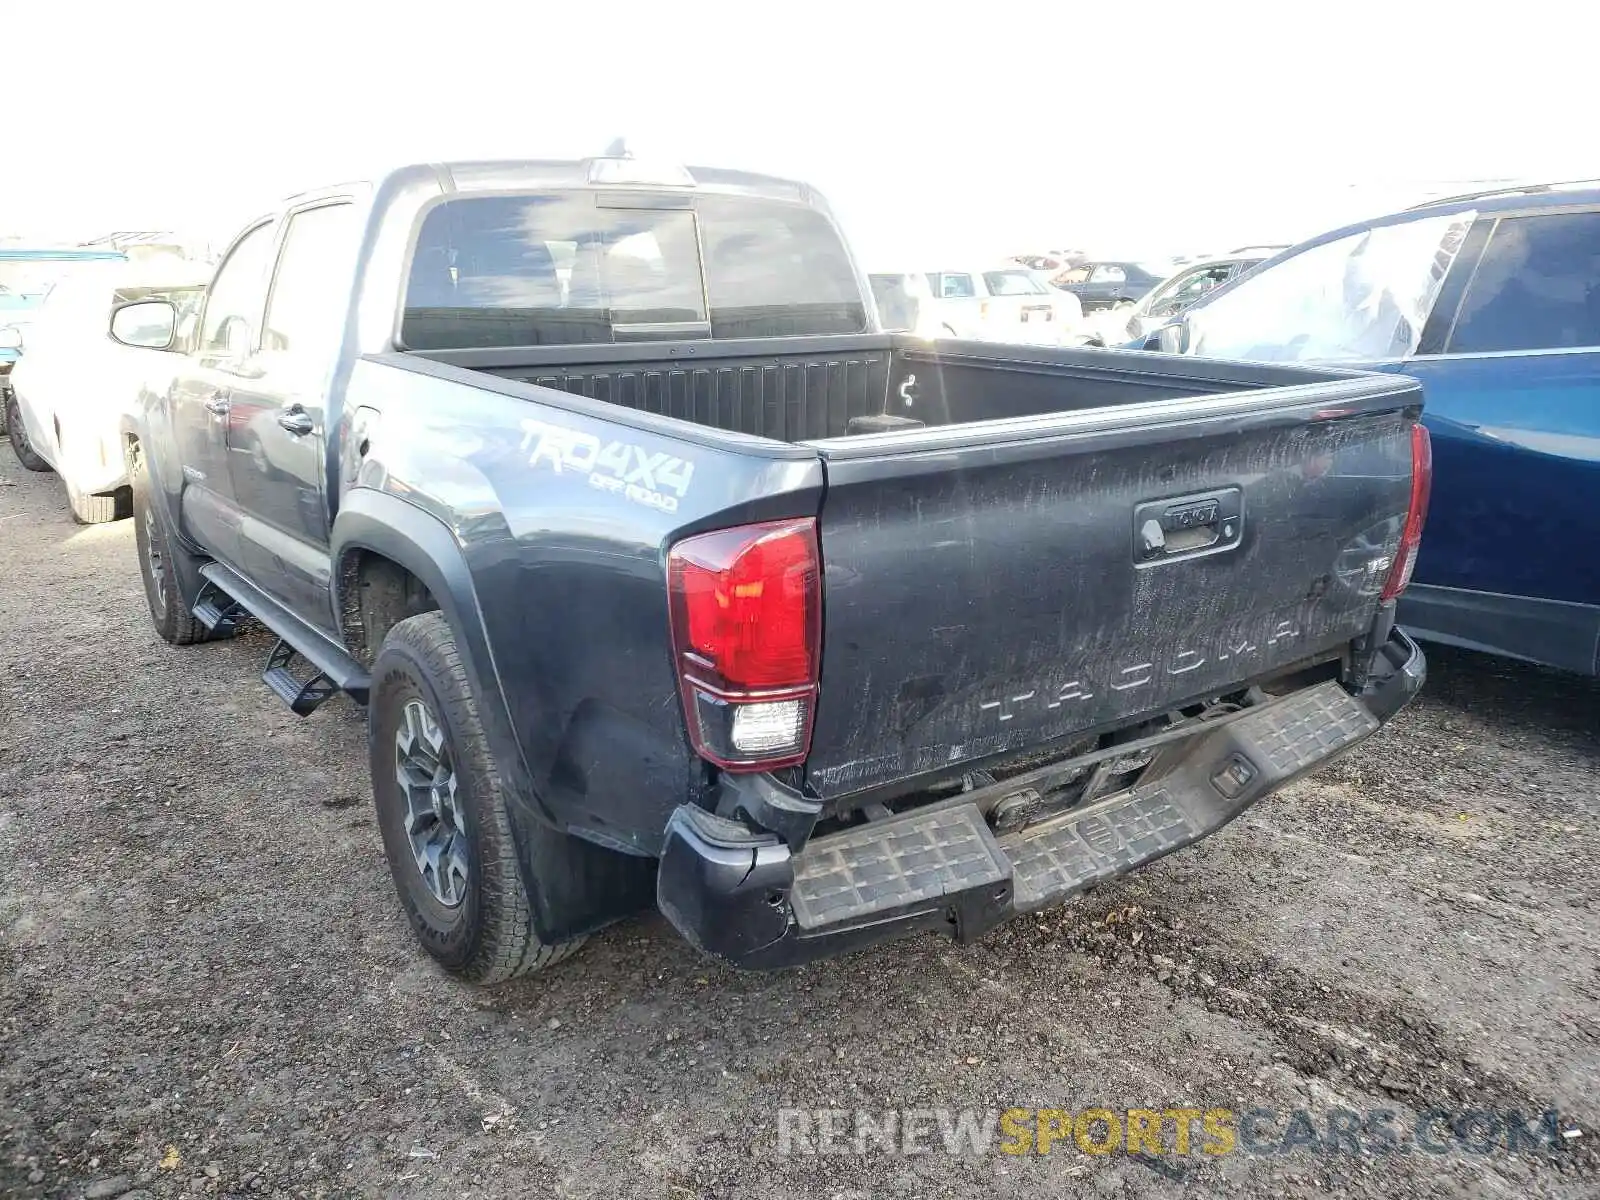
[206, 986]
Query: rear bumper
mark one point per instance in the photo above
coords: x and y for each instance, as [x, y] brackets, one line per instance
[741, 896]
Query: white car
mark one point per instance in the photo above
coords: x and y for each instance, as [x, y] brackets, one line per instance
[71, 382]
[1001, 304]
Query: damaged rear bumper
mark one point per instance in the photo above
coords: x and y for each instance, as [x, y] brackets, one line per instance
[740, 895]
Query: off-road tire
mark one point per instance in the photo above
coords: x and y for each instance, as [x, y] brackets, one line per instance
[488, 937]
[169, 612]
[18, 433]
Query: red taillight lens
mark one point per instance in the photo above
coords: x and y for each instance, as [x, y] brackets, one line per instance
[1405, 559]
[747, 628]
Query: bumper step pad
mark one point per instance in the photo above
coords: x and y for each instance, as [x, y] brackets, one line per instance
[895, 864]
[949, 858]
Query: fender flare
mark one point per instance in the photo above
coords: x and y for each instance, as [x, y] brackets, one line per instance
[410, 537]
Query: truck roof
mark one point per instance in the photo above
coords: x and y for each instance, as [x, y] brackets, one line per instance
[491, 174]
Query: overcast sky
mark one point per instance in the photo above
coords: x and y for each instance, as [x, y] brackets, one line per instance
[938, 130]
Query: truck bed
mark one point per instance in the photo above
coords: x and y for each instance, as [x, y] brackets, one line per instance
[991, 588]
[810, 389]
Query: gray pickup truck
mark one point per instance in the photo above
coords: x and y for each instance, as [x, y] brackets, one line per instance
[666, 577]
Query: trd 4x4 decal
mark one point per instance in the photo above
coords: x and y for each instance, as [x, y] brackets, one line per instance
[655, 479]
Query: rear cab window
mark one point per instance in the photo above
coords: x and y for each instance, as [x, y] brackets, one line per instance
[579, 268]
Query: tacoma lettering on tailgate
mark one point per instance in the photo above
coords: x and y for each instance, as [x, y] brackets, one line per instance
[1238, 643]
[655, 479]
[1088, 691]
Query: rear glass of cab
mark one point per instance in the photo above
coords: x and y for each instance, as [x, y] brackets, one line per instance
[559, 269]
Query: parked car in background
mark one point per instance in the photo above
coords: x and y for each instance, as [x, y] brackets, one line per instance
[72, 384]
[1183, 288]
[1001, 304]
[26, 276]
[1100, 284]
[680, 581]
[1048, 265]
[1493, 302]
[904, 301]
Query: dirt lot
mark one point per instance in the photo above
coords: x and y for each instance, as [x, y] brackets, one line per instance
[206, 986]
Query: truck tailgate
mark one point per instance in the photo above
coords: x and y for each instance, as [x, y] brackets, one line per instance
[994, 588]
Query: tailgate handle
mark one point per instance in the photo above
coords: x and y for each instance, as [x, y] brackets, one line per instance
[1187, 526]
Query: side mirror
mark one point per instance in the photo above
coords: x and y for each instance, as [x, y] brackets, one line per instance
[10, 338]
[145, 324]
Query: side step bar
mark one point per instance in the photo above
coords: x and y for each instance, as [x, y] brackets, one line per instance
[302, 698]
[227, 596]
[218, 611]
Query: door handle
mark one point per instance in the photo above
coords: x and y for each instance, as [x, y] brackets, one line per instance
[218, 404]
[296, 420]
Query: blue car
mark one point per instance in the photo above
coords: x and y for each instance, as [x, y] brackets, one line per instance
[1493, 302]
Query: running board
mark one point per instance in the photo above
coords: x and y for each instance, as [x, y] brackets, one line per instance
[333, 669]
[218, 611]
[302, 698]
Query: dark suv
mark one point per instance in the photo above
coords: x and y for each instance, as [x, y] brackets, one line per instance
[1099, 285]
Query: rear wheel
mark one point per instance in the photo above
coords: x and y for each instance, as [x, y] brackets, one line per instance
[442, 810]
[18, 433]
[169, 613]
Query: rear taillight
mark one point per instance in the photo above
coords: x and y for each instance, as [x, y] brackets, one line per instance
[1405, 558]
[746, 609]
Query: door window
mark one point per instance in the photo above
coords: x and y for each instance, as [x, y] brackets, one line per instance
[234, 300]
[1537, 287]
[1365, 296]
[305, 311]
[1108, 274]
[952, 285]
[1176, 296]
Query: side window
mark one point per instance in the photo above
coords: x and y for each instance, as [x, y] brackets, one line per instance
[1537, 287]
[1108, 274]
[952, 285]
[1363, 296]
[233, 301]
[1183, 291]
[1075, 275]
[305, 308]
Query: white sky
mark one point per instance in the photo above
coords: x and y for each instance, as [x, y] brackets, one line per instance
[942, 129]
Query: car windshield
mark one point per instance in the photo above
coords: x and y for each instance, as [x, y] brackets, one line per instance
[1013, 283]
[1365, 296]
[36, 276]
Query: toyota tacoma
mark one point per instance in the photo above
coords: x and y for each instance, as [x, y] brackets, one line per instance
[666, 577]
